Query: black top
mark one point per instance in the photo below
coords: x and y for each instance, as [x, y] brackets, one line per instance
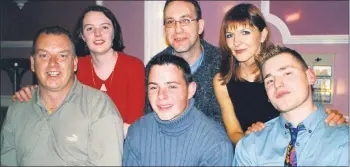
[250, 102]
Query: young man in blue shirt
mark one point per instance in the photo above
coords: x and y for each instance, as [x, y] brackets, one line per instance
[299, 136]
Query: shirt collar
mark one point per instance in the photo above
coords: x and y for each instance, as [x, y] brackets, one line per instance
[311, 121]
[71, 92]
[196, 64]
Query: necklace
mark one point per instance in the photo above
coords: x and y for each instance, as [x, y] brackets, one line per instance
[49, 109]
[103, 86]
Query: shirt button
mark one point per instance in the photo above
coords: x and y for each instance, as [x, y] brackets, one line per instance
[310, 131]
[298, 144]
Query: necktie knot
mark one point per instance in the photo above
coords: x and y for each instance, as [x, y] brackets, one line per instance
[292, 130]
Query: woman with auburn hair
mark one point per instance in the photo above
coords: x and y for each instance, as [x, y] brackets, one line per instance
[238, 86]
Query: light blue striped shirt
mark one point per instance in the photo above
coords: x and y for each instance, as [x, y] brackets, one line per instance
[317, 145]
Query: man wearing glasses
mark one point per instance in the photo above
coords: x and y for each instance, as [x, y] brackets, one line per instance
[183, 25]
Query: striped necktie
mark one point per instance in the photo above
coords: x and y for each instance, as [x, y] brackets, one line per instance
[291, 156]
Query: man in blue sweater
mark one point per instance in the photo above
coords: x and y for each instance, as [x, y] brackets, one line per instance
[176, 133]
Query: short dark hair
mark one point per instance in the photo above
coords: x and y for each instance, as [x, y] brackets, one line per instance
[272, 51]
[54, 30]
[167, 59]
[193, 2]
[81, 47]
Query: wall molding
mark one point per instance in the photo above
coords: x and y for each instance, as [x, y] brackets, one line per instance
[16, 44]
[288, 38]
[154, 41]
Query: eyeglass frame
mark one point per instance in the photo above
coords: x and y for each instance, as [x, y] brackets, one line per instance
[182, 19]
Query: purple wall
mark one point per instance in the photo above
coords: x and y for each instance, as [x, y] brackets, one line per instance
[130, 15]
[317, 18]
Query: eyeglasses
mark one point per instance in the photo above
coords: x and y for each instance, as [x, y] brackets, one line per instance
[183, 22]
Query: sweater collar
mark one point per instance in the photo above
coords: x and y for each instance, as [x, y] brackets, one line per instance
[180, 124]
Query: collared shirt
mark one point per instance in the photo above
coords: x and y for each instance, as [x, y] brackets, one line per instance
[196, 64]
[318, 144]
[86, 129]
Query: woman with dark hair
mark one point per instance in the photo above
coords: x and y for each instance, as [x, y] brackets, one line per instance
[80, 45]
[239, 87]
[98, 38]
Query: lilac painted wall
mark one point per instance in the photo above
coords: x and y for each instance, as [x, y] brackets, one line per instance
[334, 23]
[130, 15]
[317, 18]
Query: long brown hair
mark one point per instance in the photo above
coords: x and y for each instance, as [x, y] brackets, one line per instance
[246, 15]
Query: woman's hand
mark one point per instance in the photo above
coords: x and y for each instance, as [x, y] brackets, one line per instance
[126, 127]
[24, 94]
[334, 117]
[255, 127]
